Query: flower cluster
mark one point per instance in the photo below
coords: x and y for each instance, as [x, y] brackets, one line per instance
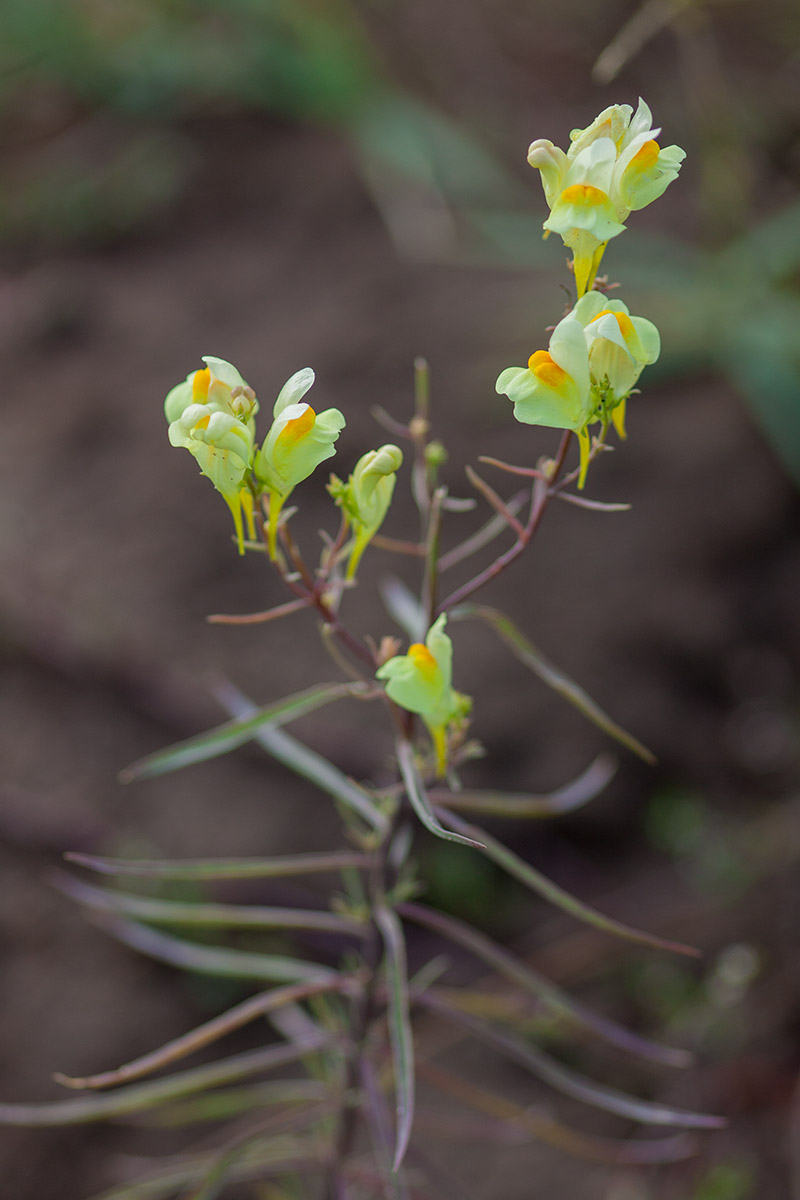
[611, 169]
[598, 350]
[212, 414]
[592, 364]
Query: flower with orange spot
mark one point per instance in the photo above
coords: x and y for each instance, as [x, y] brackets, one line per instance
[421, 682]
[211, 415]
[298, 441]
[219, 386]
[611, 168]
[555, 387]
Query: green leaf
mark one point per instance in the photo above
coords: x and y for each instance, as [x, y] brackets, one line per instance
[227, 737]
[306, 762]
[507, 804]
[400, 1033]
[528, 654]
[229, 916]
[570, 1082]
[214, 960]
[415, 790]
[531, 981]
[145, 1096]
[222, 868]
[530, 877]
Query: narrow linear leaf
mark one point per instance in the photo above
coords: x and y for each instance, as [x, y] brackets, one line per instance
[555, 678]
[222, 868]
[227, 737]
[379, 1122]
[508, 804]
[415, 790]
[570, 1082]
[306, 762]
[530, 877]
[224, 1103]
[547, 1129]
[593, 505]
[213, 960]
[208, 1033]
[229, 916]
[400, 1035]
[145, 1096]
[531, 981]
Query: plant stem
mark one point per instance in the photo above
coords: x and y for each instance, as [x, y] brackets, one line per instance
[541, 496]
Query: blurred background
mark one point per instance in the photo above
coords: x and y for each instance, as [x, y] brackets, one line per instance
[342, 184]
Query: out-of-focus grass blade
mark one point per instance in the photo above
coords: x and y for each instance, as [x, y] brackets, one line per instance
[415, 790]
[289, 1155]
[570, 1082]
[304, 761]
[140, 1096]
[221, 868]
[227, 737]
[230, 916]
[528, 654]
[404, 608]
[547, 1129]
[400, 1033]
[214, 960]
[531, 981]
[528, 875]
[507, 804]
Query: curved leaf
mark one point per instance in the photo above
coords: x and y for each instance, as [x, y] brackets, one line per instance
[223, 868]
[415, 790]
[570, 1082]
[530, 877]
[531, 981]
[508, 804]
[555, 678]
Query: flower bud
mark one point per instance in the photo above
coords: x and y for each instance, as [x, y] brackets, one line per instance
[366, 497]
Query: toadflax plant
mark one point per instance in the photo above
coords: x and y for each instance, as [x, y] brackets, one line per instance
[325, 1107]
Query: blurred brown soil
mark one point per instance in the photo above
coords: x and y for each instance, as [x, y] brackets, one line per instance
[680, 617]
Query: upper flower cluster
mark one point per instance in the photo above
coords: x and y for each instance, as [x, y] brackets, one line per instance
[612, 168]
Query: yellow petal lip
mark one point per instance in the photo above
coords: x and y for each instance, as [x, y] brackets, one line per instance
[583, 193]
[200, 386]
[548, 371]
[622, 319]
[298, 427]
[423, 660]
[645, 157]
[202, 423]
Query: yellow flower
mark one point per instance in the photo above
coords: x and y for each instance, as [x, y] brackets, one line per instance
[298, 441]
[421, 682]
[211, 415]
[555, 388]
[612, 167]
